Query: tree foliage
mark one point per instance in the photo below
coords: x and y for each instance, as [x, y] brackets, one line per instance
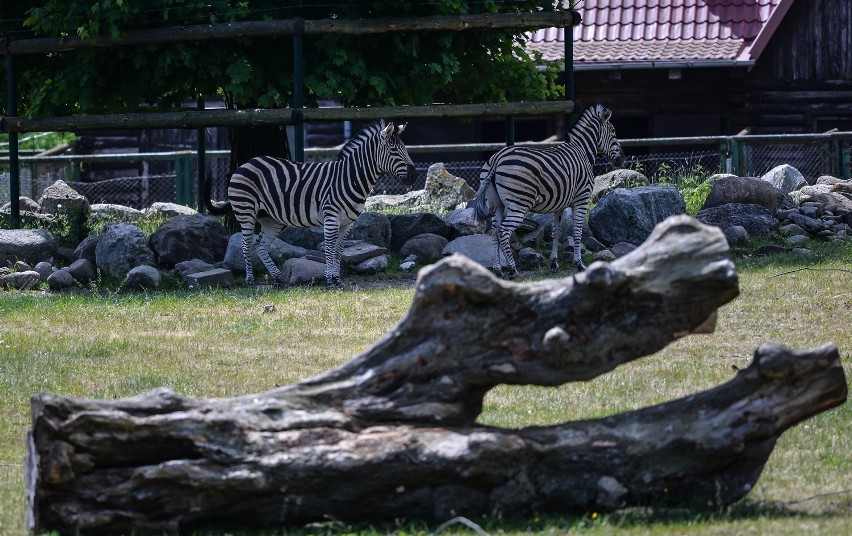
[381, 69]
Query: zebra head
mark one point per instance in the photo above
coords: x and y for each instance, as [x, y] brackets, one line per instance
[393, 156]
[607, 143]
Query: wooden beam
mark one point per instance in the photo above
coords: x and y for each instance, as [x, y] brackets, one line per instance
[204, 32]
[226, 118]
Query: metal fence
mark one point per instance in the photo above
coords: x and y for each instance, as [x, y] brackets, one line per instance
[660, 159]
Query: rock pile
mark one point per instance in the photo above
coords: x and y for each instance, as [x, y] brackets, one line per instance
[198, 249]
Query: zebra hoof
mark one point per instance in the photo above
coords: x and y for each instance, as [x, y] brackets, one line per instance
[511, 273]
[554, 266]
[580, 266]
[333, 283]
[497, 271]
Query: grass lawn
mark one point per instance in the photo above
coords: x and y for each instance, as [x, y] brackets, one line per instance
[224, 343]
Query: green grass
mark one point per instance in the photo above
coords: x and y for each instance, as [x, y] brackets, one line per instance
[221, 343]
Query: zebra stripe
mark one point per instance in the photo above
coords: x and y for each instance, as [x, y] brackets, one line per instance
[517, 180]
[276, 192]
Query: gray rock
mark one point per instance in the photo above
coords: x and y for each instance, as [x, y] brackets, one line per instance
[801, 251]
[478, 247]
[619, 178]
[745, 190]
[26, 280]
[785, 178]
[22, 266]
[372, 228]
[463, 222]
[756, 219]
[59, 198]
[426, 247]
[213, 278]
[25, 204]
[60, 279]
[192, 266]
[811, 225]
[791, 229]
[303, 237]
[168, 210]
[121, 247]
[82, 270]
[183, 238]
[621, 249]
[142, 277]
[407, 226]
[372, 266]
[442, 192]
[116, 212]
[86, 249]
[796, 240]
[302, 271]
[279, 251]
[358, 252]
[736, 235]
[31, 246]
[531, 258]
[605, 255]
[44, 270]
[629, 215]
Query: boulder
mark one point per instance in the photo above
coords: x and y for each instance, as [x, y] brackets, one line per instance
[442, 192]
[279, 251]
[356, 252]
[372, 228]
[478, 247]
[619, 178]
[82, 270]
[60, 279]
[116, 212]
[122, 247]
[86, 249]
[212, 278]
[372, 266]
[25, 204]
[167, 210]
[621, 249]
[743, 190]
[59, 199]
[785, 178]
[142, 277]
[811, 225]
[303, 237]
[25, 280]
[302, 271]
[405, 226]
[192, 266]
[32, 246]
[629, 215]
[44, 270]
[756, 219]
[463, 222]
[183, 238]
[530, 258]
[427, 247]
[736, 235]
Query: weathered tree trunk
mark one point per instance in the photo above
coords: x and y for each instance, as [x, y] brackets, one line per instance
[392, 433]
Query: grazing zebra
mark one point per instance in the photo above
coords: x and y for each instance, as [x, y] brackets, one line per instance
[517, 180]
[276, 192]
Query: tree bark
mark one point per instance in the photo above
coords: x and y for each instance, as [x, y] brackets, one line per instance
[392, 433]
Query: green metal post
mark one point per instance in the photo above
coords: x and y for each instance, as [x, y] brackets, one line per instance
[510, 130]
[298, 93]
[569, 73]
[183, 181]
[735, 157]
[14, 168]
[201, 159]
[846, 159]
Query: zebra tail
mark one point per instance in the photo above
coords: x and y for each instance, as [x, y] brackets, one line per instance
[483, 204]
[215, 209]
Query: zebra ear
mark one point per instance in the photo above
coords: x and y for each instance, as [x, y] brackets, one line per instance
[387, 131]
[607, 114]
[401, 128]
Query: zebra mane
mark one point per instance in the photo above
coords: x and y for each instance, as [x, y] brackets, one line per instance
[359, 139]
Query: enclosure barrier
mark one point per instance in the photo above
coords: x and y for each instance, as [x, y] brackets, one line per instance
[660, 159]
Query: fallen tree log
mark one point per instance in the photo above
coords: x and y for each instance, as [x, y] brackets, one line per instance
[392, 433]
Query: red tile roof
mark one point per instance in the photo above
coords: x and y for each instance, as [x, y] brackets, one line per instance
[665, 33]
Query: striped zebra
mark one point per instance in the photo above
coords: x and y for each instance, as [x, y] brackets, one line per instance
[276, 192]
[517, 180]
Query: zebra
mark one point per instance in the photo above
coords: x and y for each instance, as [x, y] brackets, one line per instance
[517, 180]
[276, 192]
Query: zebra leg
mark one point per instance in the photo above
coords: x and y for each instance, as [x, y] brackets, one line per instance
[557, 236]
[269, 231]
[248, 251]
[333, 251]
[511, 271]
[496, 265]
[579, 220]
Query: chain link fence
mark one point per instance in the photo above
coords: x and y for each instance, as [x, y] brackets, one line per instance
[661, 160]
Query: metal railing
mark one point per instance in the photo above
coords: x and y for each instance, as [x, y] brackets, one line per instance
[660, 159]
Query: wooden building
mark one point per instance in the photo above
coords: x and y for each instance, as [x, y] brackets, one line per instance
[712, 67]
